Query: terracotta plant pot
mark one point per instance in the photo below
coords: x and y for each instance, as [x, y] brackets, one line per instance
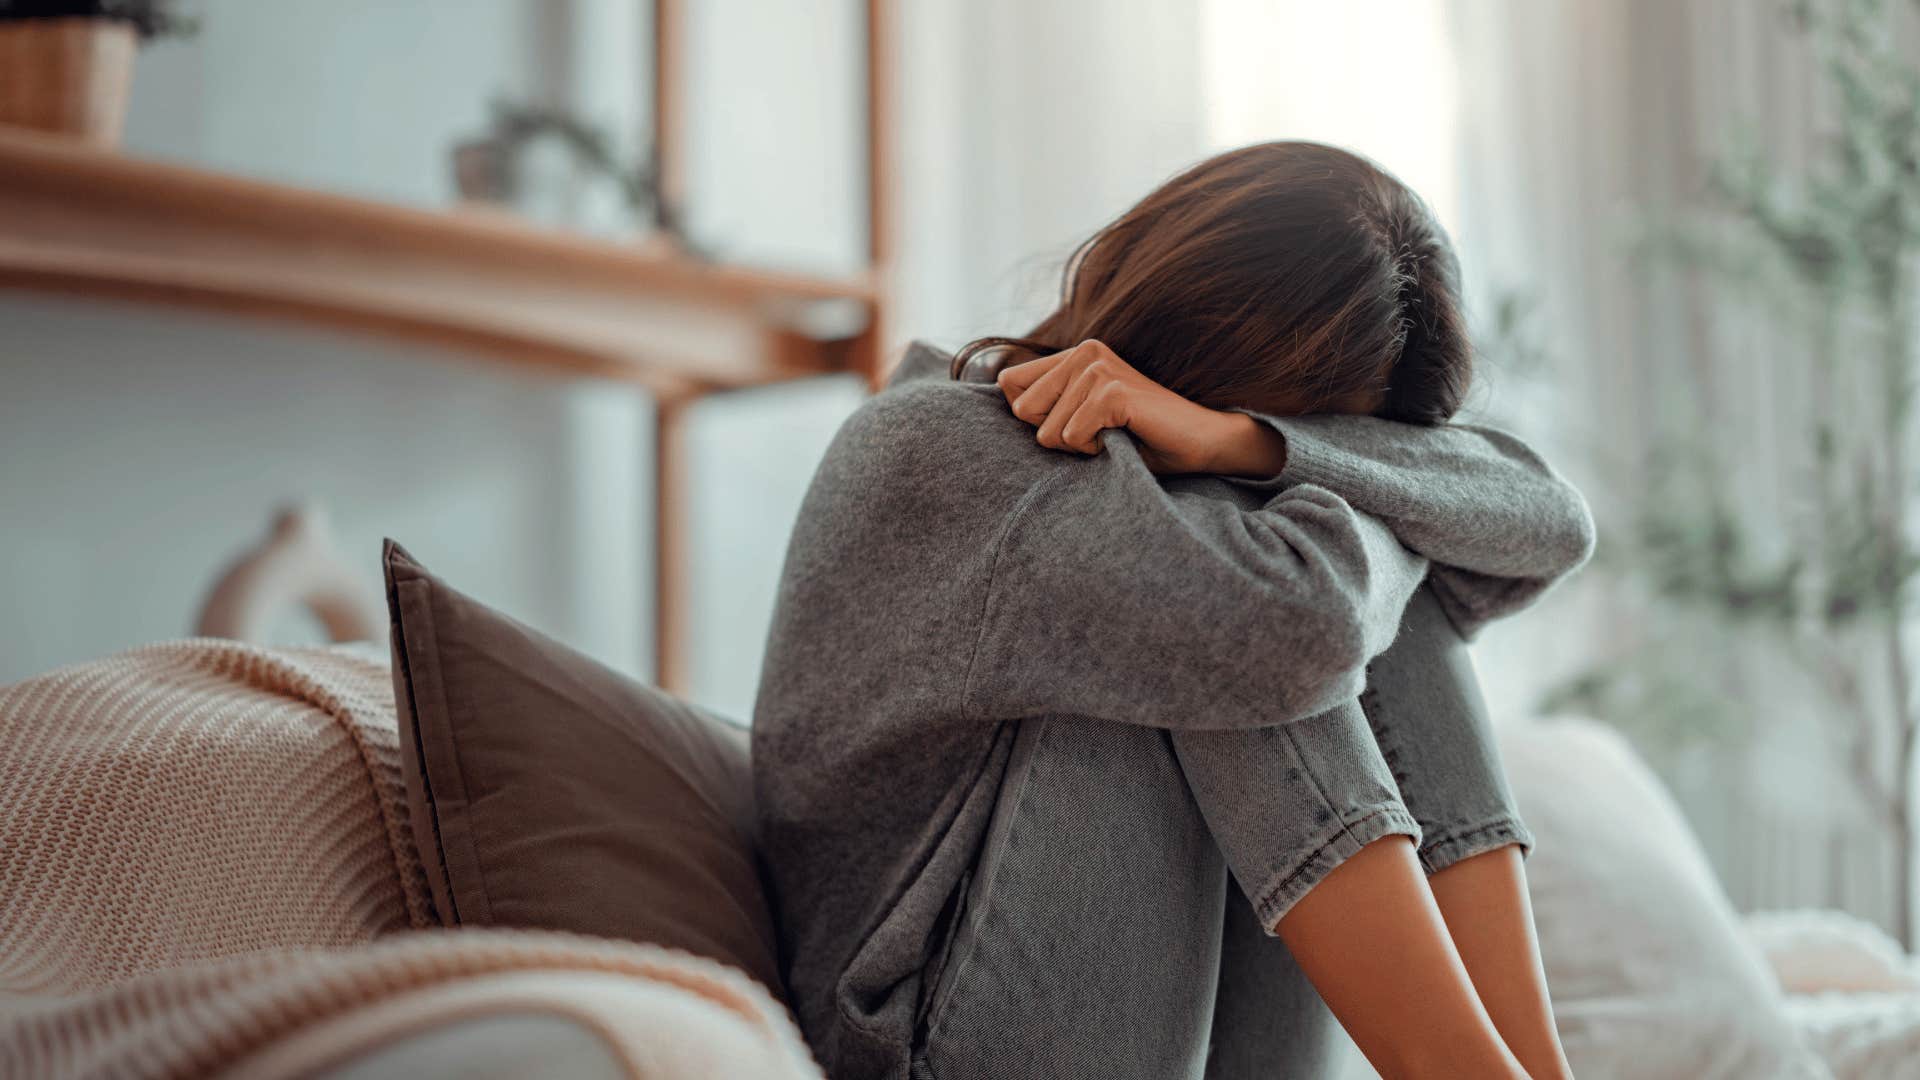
[68, 76]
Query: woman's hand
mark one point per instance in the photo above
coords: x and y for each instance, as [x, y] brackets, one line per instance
[1072, 396]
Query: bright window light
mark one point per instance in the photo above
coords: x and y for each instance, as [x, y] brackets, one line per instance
[1373, 76]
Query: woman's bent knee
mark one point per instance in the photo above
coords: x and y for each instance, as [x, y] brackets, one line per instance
[1288, 804]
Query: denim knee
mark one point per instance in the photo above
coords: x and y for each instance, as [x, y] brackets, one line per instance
[1288, 804]
[1424, 707]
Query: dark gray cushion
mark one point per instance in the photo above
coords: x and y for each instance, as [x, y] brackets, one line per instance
[548, 791]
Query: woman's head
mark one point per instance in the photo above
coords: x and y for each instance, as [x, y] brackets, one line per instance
[1288, 277]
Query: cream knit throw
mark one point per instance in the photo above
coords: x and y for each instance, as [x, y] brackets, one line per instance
[681, 1017]
[193, 800]
[200, 842]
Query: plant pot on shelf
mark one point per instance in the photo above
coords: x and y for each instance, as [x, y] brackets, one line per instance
[67, 76]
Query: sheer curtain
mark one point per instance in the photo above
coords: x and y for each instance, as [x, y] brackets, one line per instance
[1578, 122]
[1025, 127]
[1377, 76]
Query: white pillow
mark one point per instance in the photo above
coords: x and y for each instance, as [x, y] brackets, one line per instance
[1813, 952]
[1650, 971]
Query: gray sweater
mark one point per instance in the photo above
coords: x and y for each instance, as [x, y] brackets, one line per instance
[949, 575]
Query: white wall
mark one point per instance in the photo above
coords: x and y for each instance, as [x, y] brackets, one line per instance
[359, 96]
[776, 127]
[142, 449]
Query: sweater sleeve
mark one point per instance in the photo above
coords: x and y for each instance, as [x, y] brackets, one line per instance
[1115, 597]
[1499, 525]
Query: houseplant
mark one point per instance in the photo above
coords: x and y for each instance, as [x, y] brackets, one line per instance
[493, 168]
[66, 66]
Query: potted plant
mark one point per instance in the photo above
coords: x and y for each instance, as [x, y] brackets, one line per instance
[66, 65]
[494, 168]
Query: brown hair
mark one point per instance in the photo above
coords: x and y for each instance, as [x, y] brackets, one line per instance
[1288, 277]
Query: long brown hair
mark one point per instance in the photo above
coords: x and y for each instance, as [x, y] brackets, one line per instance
[1287, 276]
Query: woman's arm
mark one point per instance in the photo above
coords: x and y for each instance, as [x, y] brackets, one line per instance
[1071, 396]
[1499, 525]
[1113, 596]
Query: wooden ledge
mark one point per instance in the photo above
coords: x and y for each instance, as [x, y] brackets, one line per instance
[78, 220]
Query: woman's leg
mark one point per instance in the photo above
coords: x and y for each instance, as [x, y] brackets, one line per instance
[1309, 819]
[1265, 1008]
[1087, 940]
[1428, 722]
[1259, 978]
[1484, 900]
[1423, 703]
[1371, 939]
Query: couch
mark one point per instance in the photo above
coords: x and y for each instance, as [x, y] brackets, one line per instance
[206, 867]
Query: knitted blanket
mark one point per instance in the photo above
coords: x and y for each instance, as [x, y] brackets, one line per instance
[194, 800]
[204, 853]
[660, 1013]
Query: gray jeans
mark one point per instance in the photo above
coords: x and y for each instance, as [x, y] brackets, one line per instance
[1097, 934]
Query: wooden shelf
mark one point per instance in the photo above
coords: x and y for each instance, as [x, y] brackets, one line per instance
[78, 220]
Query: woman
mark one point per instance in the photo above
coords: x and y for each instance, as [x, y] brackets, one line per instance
[1179, 594]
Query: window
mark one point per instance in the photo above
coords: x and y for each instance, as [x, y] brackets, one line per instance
[1374, 76]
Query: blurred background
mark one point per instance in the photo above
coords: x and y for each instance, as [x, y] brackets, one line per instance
[1691, 229]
